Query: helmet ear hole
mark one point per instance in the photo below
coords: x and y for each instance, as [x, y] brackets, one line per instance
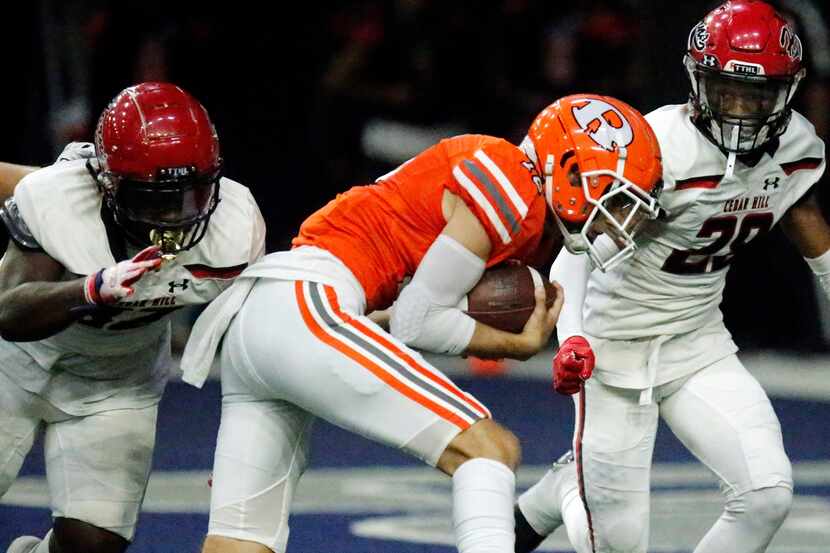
[574, 175]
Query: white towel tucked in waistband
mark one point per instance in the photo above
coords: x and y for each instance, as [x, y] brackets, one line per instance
[209, 329]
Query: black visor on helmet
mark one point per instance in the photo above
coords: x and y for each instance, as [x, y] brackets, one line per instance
[166, 205]
[177, 209]
[742, 97]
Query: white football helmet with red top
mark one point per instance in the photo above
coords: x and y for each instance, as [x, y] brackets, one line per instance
[603, 172]
[744, 63]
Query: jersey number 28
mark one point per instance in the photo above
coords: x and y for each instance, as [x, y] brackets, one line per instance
[731, 231]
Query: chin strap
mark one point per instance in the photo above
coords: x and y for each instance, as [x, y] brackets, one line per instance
[548, 172]
[730, 160]
[622, 155]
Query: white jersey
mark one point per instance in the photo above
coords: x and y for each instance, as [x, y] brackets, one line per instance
[674, 282]
[119, 356]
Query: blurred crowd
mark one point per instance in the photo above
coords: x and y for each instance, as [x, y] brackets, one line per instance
[333, 94]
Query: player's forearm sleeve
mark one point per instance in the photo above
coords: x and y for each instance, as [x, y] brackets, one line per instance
[426, 315]
[571, 271]
[821, 268]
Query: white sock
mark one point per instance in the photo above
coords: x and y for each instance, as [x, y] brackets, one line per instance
[483, 492]
[541, 505]
[43, 546]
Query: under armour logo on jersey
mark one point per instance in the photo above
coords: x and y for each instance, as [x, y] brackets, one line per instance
[771, 181]
[710, 61]
[173, 285]
[604, 123]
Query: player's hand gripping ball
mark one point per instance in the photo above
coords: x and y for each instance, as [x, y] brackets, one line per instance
[504, 297]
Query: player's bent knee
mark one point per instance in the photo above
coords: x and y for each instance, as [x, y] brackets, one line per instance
[628, 535]
[767, 506]
[70, 535]
[222, 544]
[486, 439]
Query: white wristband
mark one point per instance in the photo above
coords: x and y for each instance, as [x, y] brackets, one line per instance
[821, 268]
[821, 264]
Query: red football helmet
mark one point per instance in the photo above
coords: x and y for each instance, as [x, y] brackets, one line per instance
[744, 63]
[603, 172]
[159, 165]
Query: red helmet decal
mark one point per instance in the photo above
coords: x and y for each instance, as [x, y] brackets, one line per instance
[604, 123]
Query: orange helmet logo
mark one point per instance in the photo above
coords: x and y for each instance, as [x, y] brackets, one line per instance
[604, 123]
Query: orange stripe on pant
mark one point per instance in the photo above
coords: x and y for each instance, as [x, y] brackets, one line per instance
[363, 329]
[370, 365]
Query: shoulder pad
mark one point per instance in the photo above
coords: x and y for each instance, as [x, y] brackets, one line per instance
[18, 230]
[77, 150]
[800, 141]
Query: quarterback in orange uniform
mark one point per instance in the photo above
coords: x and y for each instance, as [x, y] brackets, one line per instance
[297, 343]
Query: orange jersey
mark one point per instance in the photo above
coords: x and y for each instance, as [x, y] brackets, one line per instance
[382, 231]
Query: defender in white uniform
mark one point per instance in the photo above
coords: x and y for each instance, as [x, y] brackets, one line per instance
[737, 161]
[86, 350]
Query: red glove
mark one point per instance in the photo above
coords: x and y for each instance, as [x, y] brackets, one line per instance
[573, 365]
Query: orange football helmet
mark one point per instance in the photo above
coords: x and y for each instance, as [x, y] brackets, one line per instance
[603, 172]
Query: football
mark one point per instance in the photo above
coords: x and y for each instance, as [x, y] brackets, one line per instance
[503, 298]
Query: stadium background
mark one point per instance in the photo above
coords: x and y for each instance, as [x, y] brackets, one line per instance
[331, 94]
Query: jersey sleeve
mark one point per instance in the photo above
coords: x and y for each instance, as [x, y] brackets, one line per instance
[18, 230]
[497, 185]
[257, 248]
[802, 158]
[675, 142]
[29, 206]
